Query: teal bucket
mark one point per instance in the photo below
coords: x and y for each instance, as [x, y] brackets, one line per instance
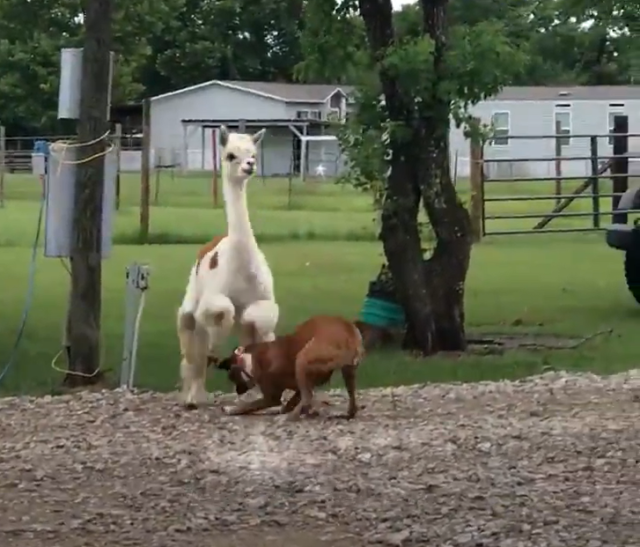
[382, 313]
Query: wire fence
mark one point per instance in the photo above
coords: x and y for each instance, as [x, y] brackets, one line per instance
[548, 183]
[185, 178]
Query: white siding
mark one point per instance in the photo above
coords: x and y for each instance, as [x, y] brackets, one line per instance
[211, 102]
[537, 118]
[525, 118]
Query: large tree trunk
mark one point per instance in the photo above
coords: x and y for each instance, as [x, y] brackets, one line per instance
[431, 291]
[446, 270]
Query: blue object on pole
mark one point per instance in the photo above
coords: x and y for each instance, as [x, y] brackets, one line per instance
[41, 147]
[381, 313]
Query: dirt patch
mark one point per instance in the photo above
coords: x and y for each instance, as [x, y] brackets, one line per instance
[489, 343]
[551, 460]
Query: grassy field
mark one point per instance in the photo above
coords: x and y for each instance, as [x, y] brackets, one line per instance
[323, 252]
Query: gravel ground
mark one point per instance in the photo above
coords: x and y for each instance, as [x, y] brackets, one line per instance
[550, 461]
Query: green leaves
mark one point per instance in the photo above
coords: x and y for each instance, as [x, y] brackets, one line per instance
[409, 61]
[34, 32]
[480, 61]
[332, 44]
[162, 45]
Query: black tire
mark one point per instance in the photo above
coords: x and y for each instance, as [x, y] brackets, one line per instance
[632, 272]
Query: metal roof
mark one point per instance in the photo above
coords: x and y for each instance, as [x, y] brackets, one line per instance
[230, 122]
[569, 93]
[318, 93]
[291, 93]
[307, 93]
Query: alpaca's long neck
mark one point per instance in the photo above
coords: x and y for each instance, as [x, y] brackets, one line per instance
[238, 222]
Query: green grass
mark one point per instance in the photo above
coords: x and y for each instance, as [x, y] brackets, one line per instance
[185, 213]
[562, 284]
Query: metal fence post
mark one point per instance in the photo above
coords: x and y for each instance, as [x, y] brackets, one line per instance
[595, 182]
[620, 166]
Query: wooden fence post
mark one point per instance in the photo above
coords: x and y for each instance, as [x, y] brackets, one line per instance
[476, 204]
[118, 145]
[145, 174]
[558, 161]
[214, 160]
[3, 149]
[620, 165]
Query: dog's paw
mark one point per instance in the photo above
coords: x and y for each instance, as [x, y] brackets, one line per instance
[228, 410]
[313, 413]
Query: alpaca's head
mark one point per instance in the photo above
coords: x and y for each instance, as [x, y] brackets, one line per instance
[239, 153]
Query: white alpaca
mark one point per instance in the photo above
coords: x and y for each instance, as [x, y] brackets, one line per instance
[231, 278]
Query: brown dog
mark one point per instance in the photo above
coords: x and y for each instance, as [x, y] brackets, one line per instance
[300, 361]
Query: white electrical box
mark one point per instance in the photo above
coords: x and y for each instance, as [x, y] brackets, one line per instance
[70, 82]
[59, 196]
[38, 164]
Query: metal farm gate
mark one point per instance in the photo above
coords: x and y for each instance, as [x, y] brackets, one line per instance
[505, 202]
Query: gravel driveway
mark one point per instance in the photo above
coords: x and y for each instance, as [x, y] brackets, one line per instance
[553, 461]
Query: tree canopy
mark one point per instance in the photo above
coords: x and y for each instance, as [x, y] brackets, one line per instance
[167, 44]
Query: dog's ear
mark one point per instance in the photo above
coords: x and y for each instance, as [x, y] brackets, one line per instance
[226, 364]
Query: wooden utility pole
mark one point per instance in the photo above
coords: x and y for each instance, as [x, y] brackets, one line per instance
[86, 263]
[558, 162]
[145, 171]
[3, 148]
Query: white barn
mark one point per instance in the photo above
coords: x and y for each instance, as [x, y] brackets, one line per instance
[184, 123]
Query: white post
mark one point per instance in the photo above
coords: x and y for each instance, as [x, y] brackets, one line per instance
[185, 150]
[303, 159]
[202, 141]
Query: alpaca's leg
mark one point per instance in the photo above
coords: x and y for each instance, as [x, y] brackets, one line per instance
[190, 300]
[216, 313]
[193, 366]
[258, 321]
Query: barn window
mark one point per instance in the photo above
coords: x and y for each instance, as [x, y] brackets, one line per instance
[308, 115]
[501, 122]
[615, 109]
[562, 123]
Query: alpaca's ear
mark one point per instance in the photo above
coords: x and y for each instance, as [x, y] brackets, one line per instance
[224, 135]
[259, 136]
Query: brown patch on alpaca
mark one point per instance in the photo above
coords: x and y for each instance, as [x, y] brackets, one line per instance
[205, 249]
[300, 361]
